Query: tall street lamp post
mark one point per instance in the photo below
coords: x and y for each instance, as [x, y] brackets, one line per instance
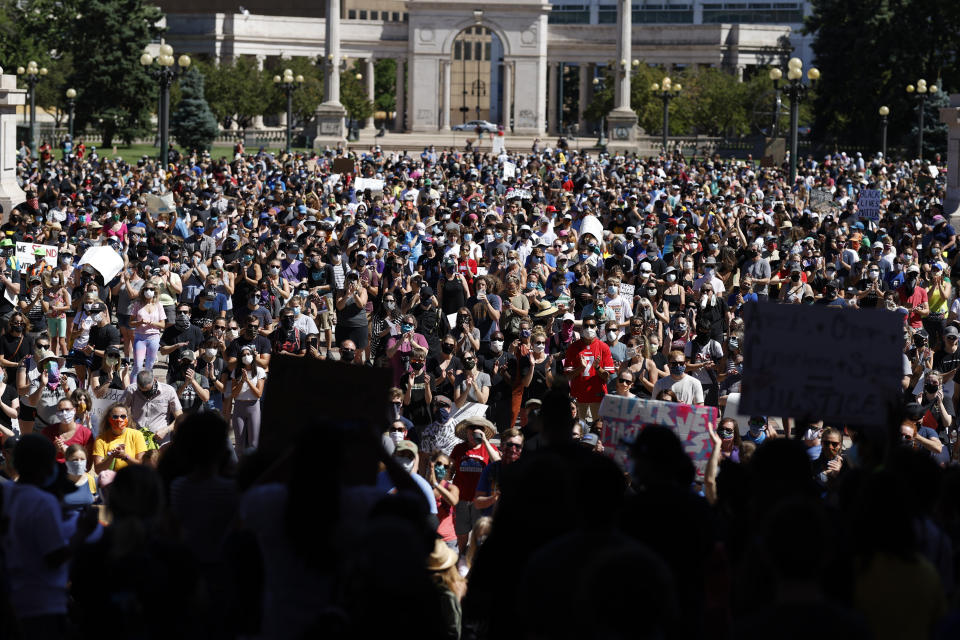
[884, 116]
[71, 104]
[164, 72]
[666, 91]
[31, 76]
[796, 90]
[921, 91]
[288, 84]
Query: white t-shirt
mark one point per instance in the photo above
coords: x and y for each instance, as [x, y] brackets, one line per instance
[621, 307]
[245, 392]
[688, 389]
[35, 530]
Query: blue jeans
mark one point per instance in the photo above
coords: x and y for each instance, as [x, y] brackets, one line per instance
[145, 349]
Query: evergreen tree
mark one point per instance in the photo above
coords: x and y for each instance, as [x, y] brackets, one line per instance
[934, 132]
[193, 123]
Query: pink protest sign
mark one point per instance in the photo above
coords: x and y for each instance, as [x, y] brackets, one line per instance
[624, 418]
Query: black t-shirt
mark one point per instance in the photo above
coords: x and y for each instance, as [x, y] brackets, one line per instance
[260, 343]
[15, 349]
[289, 340]
[172, 335]
[417, 411]
[946, 362]
[103, 337]
[7, 397]
[189, 399]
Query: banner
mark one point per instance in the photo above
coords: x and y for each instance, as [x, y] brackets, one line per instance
[821, 199]
[101, 404]
[468, 410]
[105, 260]
[25, 253]
[498, 146]
[624, 418]
[817, 362]
[375, 185]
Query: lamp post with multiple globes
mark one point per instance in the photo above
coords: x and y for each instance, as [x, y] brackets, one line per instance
[31, 76]
[165, 71]
[666, 90]
[795, 90]
[288, 84]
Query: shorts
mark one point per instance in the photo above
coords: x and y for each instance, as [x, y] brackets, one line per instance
[26, 413]
[123, 320]
[591, 408]
[171, 311]
[323, 321]
[465, 515]
[57, 327]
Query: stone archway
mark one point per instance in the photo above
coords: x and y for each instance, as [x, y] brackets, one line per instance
[475, 81]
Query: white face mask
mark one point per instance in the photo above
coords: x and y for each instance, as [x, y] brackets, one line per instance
[76, 467]
[671, 277]
[247, 359]
[233, 334]
[589, 333]
[55, 281]
[148, 294]
[631, 352]
[539, 348]
[210, 354]
[66, 416]
[218, 263]
[496, 346]
[611, 336]
[396, 436]
[406, 464]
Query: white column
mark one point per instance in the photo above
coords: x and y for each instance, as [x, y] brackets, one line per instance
[584, 97]
[507, 95]
[400, 94]
[371, 92]
[624, 52]
[331, 90]
[10, 98]
[445, 110]
[950, 116]
[258, 119]
[553, 117]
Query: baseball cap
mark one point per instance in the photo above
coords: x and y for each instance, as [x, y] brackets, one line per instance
[405, 445]
[913, 269]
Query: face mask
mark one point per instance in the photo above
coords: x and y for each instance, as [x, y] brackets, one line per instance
[447, 347]
[164, 267]
[55, 281]
[87, 306]
[795, 277]
[525, 333]
[182, 321]
[247, 359]
[66, 415]
[274, 270]
[406, 327]
[931, 388]
[681, 328]
[677, 369]
[688, 265]
[148, 294]
[713, 246]
[440, 472]
[218, 263]
[396, 436]
[873, 274]
[347, 355]
[407, 464]
[631, 352]
[611, 336]
[76, 467]
[254, 301]
[611, 291]
[496, 346]
[233, 334]
[209, 354]
[441, 414]
[708, 272]
[589, 333]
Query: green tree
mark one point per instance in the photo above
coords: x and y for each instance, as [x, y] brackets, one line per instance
[353, 94]
[193, 124]
[306, 97]
[385, 85]
[934, 132]
[238, 91]
[868, 51]
[116, 94]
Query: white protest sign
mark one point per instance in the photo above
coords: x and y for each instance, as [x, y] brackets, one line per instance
[105, 260]
[625, 418]
[593, 226]
[102, 404]
[26, 253]
[509, 170]
[498, 146]
[868, 206]
[362, 184]
[818, 362]
[160, 204]
[468, 410]
[626, 290]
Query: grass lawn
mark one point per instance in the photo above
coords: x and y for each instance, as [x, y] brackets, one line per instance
[134, 152]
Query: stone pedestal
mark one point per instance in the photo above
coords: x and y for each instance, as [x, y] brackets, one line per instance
[331, 130]
[622, 130]
[950, 116]
[10, 97]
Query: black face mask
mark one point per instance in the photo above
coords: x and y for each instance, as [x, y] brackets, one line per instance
[287, 322]
[931, 388]
[447, 347]
[347, 355]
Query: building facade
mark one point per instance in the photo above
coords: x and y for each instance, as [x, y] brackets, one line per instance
[502, 60]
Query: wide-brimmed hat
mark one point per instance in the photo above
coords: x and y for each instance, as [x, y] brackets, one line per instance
[545, 308]
[475, 423]
[442, 557]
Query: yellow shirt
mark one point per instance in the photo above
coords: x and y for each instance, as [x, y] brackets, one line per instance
[132, 441]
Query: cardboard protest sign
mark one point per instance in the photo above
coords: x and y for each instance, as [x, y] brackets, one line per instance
[305, 393]
[821, 200]
[160, 204]
[102, 404]
[625, 418]
[509, 170]
[343, 165]
[375, 185]
[818, 362]
[468, 410]
[26, 253]
[627, 291]
[868, 206]
[498, 146]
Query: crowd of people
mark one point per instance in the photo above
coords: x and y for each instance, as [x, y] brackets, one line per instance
[506, 295]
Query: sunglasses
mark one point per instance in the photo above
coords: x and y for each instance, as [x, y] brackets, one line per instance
[118, 417]
[678, 362]
[625, 381]
[512, 445]
[539, 342]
